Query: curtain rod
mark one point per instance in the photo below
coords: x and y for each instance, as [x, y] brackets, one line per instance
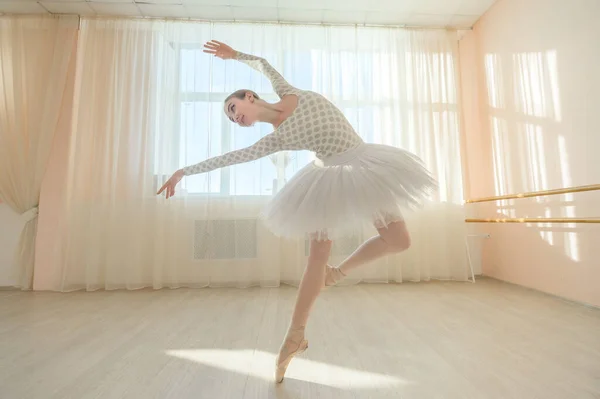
[284, 23]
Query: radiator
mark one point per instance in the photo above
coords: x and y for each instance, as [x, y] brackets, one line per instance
[225, 239]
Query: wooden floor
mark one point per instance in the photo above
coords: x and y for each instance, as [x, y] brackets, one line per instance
[426, 340]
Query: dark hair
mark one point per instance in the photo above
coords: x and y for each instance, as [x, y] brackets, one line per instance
[240, 94]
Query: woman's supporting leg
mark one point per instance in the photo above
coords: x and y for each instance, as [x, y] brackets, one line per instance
[391, 239]
[310, 287]
[312, 282]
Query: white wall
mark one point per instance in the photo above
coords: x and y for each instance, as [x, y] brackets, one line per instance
[10, 228]
[531, 101]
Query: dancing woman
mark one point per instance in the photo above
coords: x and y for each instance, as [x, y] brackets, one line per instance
[351, 183]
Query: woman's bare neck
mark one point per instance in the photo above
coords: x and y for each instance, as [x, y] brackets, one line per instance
[285, 108]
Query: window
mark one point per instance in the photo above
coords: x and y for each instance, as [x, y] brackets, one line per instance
[388, 98]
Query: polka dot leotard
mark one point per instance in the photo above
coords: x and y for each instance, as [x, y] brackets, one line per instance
[315, 125]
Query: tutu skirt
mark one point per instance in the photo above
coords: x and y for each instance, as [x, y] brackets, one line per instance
[370, 184]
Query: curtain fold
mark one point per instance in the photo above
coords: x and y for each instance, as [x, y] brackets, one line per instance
[149, 101]
[35, 52]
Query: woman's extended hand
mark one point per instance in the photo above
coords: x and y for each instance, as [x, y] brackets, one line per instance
[170, 185]
[220, 50]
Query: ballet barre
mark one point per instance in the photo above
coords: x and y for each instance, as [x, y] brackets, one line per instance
[535, 220]
[566, 190]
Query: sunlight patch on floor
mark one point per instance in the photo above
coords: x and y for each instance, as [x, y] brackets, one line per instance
[261, 365]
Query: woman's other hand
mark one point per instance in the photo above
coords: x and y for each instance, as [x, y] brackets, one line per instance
[220, 50]
[169, 186]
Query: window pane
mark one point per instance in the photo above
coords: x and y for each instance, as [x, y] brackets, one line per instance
[255, 177]
[195, 71]
[201, 138]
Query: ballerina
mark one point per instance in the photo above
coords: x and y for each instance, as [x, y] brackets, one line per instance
[349, 185]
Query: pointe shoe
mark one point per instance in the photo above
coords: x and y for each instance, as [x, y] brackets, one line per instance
[293, 345]
[333, 275]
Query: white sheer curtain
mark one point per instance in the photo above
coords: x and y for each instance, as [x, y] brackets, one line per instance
[149, 101]
[35, 52]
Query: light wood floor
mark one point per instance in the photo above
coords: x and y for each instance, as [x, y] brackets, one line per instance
[426, 340]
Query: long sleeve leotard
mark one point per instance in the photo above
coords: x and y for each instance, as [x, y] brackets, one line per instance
[315, 125]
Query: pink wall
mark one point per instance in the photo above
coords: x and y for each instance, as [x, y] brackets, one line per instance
[531, 117]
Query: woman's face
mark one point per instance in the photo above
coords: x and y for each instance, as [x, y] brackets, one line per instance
[244, 112]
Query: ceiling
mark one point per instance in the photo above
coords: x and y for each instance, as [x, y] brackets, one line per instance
[415, 13]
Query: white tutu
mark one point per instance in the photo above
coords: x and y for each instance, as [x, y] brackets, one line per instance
[368, 185]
